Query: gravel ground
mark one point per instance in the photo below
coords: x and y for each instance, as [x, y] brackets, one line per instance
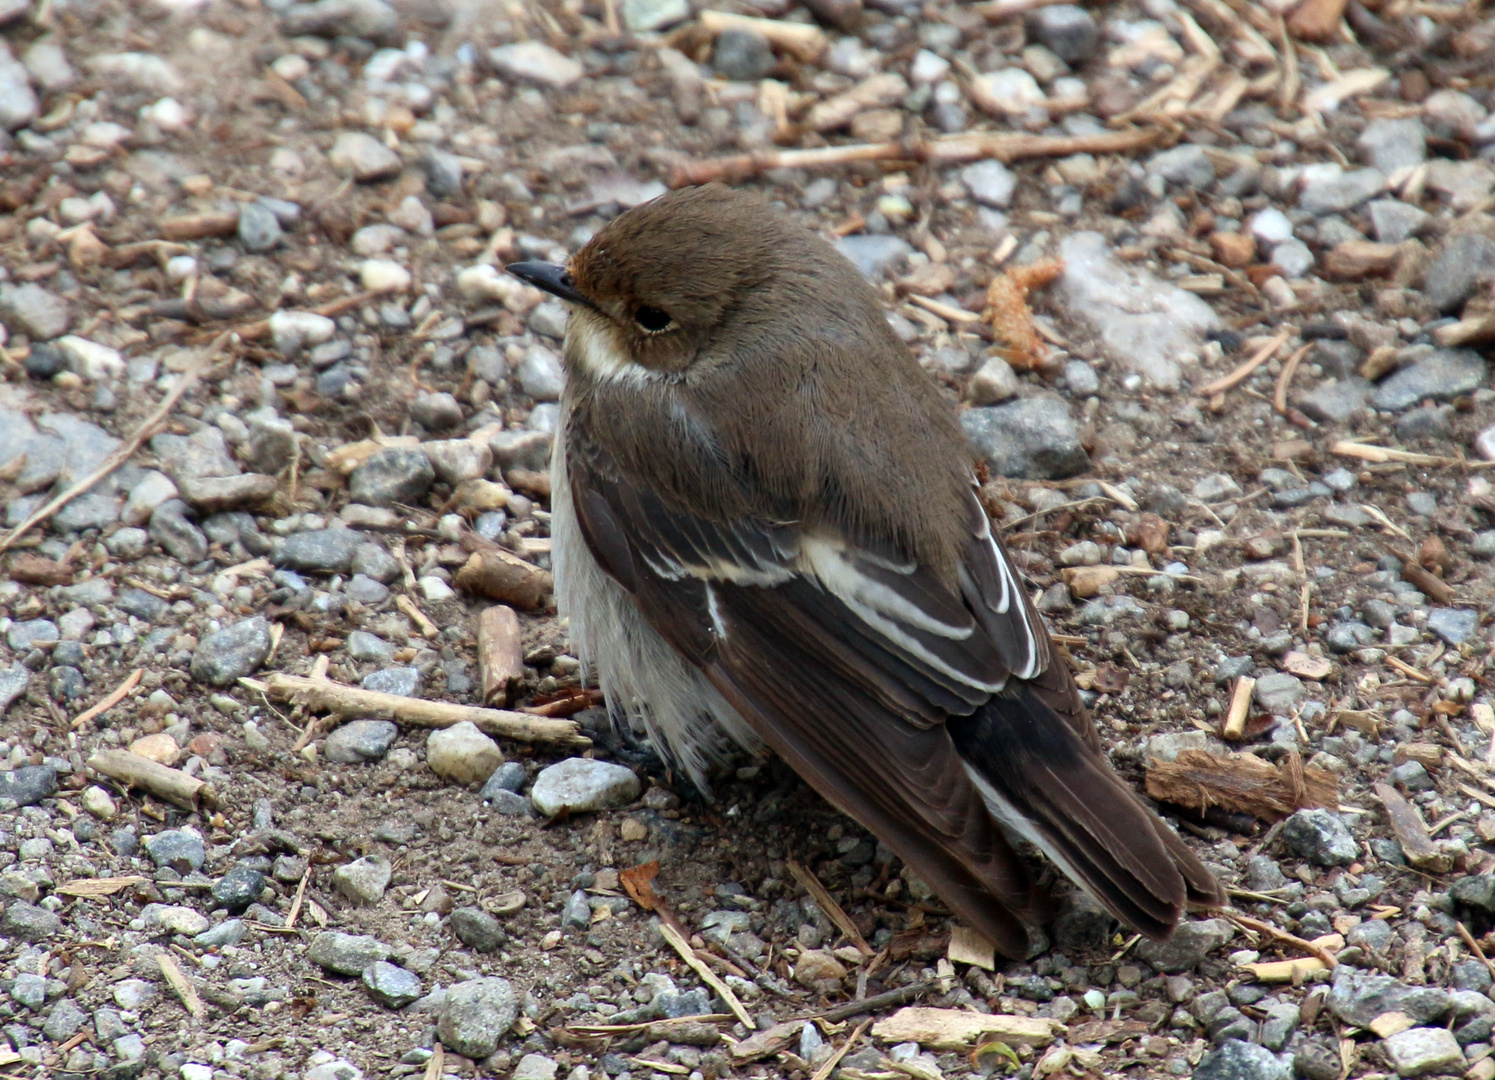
[1273, 234]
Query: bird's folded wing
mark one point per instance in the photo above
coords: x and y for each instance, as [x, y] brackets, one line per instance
[923, 710]
[851, 691]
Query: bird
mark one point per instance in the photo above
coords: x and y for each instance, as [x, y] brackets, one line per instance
[767, 532]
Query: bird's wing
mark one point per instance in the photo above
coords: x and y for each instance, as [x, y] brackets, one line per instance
[919, 709]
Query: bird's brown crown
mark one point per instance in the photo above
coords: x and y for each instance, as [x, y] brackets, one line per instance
[672, 275]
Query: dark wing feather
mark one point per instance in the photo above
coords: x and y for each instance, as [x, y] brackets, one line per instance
[898, 698]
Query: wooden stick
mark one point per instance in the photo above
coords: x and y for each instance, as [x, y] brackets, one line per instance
[115, 697]
[417, 616]
[1002, 146]
[828, 904]
[831, 1062]
[300, 899]
[184, 382]
[353, 701]
[179, 984]
[436, 1064]
[1408, 670]
[681, 946]
[1380, 454]
[805, 41]
[1258, 358]
[173, 785]
[500, 653]
[1240, 705]
[901, 996]
[1289, 369]
[1312, 949]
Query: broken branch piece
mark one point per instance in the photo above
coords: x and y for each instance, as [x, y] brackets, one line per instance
[349, 702]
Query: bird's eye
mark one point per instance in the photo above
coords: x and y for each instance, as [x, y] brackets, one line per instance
[652, 320]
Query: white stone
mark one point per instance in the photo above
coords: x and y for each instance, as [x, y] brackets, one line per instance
[463, 753]
[168, 114]
[644, 16]
[534, 61]
[382, 275]
[1270, 227]
[292, 331]
[99, 803]
[1484, 444]
[174, 918]
[928, 68]
[1422, 1050]
[1008, 92]
[1148, 324]
[193, 1071]
[364, 157]
[484, 282]
[336, 1069]
[433, 588]
[583, 784]
[90, 359]
[456, 460]
[141, 71]
[291, 66]
[150, 491]
[133, 993]
[994, 381]
[991, 183]
[413, 216]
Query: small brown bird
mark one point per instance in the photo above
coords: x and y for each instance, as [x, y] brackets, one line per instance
[766, 531]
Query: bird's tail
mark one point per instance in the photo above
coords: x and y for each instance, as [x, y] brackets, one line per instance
[1045, 785]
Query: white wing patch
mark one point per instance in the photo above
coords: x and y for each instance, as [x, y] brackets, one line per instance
[1033, 658]
[882, 608]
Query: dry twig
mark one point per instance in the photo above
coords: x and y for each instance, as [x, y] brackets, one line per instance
[348, 702]
[1256, 360]
[173, 785]
[1283, 936]
[115, 697]
[1002, 146]
[681, 946]
[829, 1066]
[184, 382]
[828, 904]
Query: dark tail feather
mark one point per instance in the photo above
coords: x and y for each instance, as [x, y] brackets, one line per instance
[1202, 890]
[1046, 785]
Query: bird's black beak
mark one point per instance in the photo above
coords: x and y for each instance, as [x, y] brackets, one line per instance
[556, 280]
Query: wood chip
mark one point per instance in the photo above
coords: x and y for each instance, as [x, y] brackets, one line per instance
[181, 986]
[768, 1042]
[500, 653]
[956, 1029]
[969, 947]
[349, 702]
[499, 575]
[1240, 707]
[1087, 581]
[1391, 1023]
[1295, 971]
[115, 697]
[1307, 667]
[95, 887]
[1412, 832]
[804, 41]
[1243, 783]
